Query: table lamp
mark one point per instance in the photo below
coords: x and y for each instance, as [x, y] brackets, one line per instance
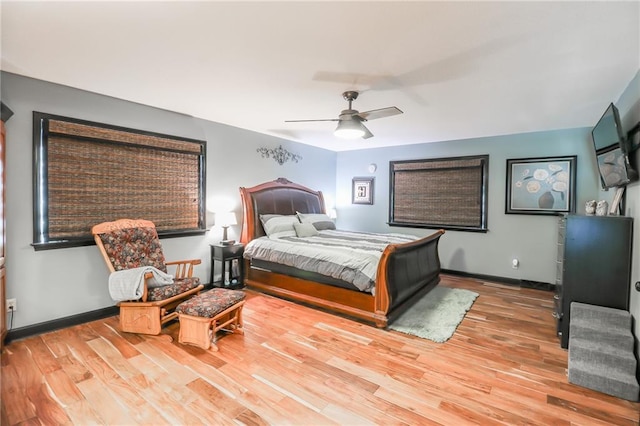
[226, 219]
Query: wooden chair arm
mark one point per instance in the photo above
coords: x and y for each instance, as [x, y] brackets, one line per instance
[194, 261]
[147, 276]
[184, 268]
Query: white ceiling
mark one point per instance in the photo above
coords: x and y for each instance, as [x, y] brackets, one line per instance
[457, 69]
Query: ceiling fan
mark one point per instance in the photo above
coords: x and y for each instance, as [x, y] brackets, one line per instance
[350, 120]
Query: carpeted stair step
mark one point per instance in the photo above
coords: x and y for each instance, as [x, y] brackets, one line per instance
[597, 352]
[605, 379]
[595, 331]
[600, 316]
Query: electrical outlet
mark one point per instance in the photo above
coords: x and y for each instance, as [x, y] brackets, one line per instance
[515, 263]
[12, 305]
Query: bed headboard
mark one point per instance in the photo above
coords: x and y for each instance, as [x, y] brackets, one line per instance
[280, 196]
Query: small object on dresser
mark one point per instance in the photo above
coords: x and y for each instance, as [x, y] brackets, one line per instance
[590, 207]
[616, 208]
[602, 208]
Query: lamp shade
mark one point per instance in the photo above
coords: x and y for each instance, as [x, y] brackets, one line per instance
[349, 129]
[226, 219]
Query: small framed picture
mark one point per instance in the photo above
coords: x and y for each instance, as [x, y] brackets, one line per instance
[362, 190]
[541, 185]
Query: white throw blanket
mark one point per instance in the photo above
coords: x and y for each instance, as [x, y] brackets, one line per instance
[128, 284]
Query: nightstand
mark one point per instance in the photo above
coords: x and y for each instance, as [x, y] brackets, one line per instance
[232, 265]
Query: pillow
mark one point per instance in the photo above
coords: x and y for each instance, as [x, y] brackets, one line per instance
[276, 226]
[305, 229]
[320, 220]
[265, 217]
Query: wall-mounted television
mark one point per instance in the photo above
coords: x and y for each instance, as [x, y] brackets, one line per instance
[612, 150]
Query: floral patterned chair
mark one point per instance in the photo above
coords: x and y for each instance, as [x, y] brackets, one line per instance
[134, 243]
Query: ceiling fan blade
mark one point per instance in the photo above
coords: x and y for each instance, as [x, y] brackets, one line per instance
[367, 133]
[379, 113]
[303, 121]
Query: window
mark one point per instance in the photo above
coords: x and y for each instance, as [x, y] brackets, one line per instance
[448, 193]
[87, 173]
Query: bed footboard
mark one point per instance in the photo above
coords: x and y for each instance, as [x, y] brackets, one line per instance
[406, 271]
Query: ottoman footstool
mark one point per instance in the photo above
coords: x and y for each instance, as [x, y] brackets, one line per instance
[202, 316]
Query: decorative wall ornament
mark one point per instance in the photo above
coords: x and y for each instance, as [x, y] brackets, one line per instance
[602, 208]
[279, 154]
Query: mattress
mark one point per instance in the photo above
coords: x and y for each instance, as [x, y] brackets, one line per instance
[345, 256]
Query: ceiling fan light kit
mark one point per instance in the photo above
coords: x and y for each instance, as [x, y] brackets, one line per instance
[349, 129]
[350, 120]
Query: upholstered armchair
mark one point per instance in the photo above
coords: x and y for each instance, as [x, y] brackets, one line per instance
[133, 245]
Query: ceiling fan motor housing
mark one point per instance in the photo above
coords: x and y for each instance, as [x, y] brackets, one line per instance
[350, 114]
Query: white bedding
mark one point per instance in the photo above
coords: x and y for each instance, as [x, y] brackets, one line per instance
[348, 256]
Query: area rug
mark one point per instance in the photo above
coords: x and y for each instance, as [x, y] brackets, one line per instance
[437, 315]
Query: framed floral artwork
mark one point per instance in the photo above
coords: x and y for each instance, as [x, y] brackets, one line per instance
[362, 190]
[544, 185]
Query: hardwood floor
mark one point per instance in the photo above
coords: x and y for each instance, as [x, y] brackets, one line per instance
[297, 365]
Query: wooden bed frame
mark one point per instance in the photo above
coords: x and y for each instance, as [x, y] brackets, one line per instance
[405, 272]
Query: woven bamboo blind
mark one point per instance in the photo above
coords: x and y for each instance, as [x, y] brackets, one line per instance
[90, 173]
[446, 193]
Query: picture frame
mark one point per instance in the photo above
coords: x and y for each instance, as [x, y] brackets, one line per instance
[544, 185]
[362, 190]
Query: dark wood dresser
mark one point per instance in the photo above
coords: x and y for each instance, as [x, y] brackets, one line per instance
[593, 265]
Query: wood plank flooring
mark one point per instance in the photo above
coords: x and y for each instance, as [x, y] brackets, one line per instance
[300, 366]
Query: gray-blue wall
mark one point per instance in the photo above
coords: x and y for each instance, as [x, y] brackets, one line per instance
[530, 238]
[629, 106]
[58, 283]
